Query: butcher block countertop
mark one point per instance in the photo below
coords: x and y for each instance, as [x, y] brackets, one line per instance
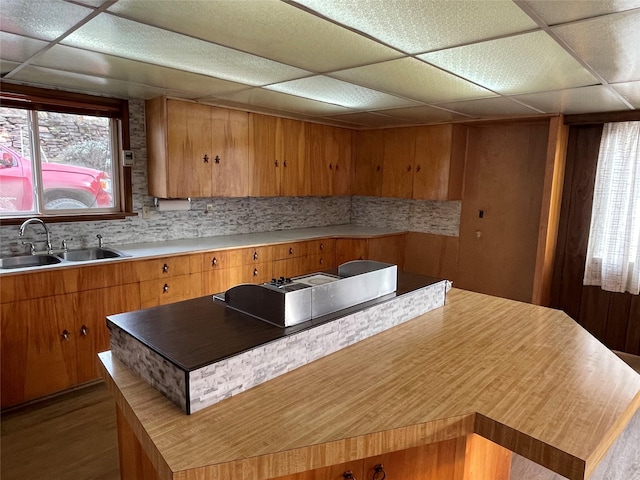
[526, 377]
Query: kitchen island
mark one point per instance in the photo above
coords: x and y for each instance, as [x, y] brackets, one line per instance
[459, 387]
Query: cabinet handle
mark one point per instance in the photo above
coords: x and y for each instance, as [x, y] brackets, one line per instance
[322, 246]
[290, 250]
[348, 475]
[255, 255]
[255, 272]
[217, 159]
[277, 164]
[214, 262]
[65, 335]
[418, 168]
[321, 261]
[165, 268]
[205, 158]
[165, 289]
[409, 168]
[331, 166]
[284, 163]
[378, 472]
[83, 330]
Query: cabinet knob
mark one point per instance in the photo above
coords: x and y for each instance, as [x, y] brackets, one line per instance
[322, 246]
[277, 164]
[165, 268]
[348, 475]
[255, 272]
[290, 250]
[165, 289]
[331, 166]
[418, 168]
[214, 261]
[378, 168]
[409, 168]
[378, 472]
[255, 255]
[65, 335]
[337, 165]
[321, 261]
[284, 163]
[83, 330]
[205, 158]
[217, 159]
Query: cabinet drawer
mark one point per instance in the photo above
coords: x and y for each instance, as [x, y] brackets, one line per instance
[221, 279]
[289, 250]
[257, 273]
[250, 256]
[319, 263]
[326, 246]
[169, 290]
[161, 268]
[216, 260]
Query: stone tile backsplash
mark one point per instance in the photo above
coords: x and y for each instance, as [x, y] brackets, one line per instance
[238, 215]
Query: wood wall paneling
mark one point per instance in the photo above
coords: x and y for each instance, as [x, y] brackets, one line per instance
[497, 253]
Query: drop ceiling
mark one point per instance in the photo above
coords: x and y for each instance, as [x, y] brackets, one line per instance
[353, 63]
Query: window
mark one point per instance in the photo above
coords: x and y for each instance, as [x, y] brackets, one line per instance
[613, 252]
[56, 163]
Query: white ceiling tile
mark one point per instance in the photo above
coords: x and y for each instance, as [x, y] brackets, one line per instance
[330, 90]
[43, 19]
[577, 100]
[117, 68]
[268, 28]
[630, 91]
[490, 108]
[412, 78]
[6, 66]
[610, 45]
[16, 48]
[525, 63]
[420, 26]
[570, 10]
[282, 101]
[90, 3]
[117, 36]
[371, 120]
[424, 115]
[88, 84]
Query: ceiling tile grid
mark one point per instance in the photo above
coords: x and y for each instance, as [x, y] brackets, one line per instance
[364, 63]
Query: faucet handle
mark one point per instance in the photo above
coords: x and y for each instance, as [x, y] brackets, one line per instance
[99, 237]
[64, 246]
[32, 247]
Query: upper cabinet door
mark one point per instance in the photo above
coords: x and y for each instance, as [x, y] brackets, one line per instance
[320, 162]
[194, 149]
[342, 146]
[230, 163]
[439, 162]
[292, 146]
[264, 166]
[369, 161]
[399, 153]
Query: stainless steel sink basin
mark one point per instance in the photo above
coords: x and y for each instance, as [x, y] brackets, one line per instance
[24, 261]
[94, 253]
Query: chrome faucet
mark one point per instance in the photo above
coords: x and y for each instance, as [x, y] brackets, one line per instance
[46, 229]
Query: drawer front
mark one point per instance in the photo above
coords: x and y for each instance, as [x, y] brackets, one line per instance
[217, 260]
[290, 267]
[251, 256]
[290, 250]
[161, 268]
[221, 279]
[325, 246]
[320, 263]
[169, 290]
[257, 273]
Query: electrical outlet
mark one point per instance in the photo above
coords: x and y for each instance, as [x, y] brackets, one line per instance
[209, 207]
[146, 212]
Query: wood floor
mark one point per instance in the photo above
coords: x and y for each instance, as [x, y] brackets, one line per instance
[73, 437]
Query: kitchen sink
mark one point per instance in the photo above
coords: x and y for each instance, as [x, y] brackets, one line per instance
[94, 253]
[24, 261]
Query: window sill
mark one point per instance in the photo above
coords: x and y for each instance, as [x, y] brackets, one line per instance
[96, 217]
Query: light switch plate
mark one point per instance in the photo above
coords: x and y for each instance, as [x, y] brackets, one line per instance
[127, 158]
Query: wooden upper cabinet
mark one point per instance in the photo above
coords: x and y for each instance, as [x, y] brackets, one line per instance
[277, 164]
[369, 163]
[439, 162]
[399, 154]
[329, 152]
[196, 150]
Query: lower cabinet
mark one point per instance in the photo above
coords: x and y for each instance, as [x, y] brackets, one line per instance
[389, 249]
[169, 290]
[51, 343]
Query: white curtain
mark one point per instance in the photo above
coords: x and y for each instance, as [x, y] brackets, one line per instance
[613, 253]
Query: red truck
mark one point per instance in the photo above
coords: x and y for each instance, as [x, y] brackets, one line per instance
[65, 186]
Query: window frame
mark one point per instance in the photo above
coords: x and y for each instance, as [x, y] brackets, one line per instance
[42, 99]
